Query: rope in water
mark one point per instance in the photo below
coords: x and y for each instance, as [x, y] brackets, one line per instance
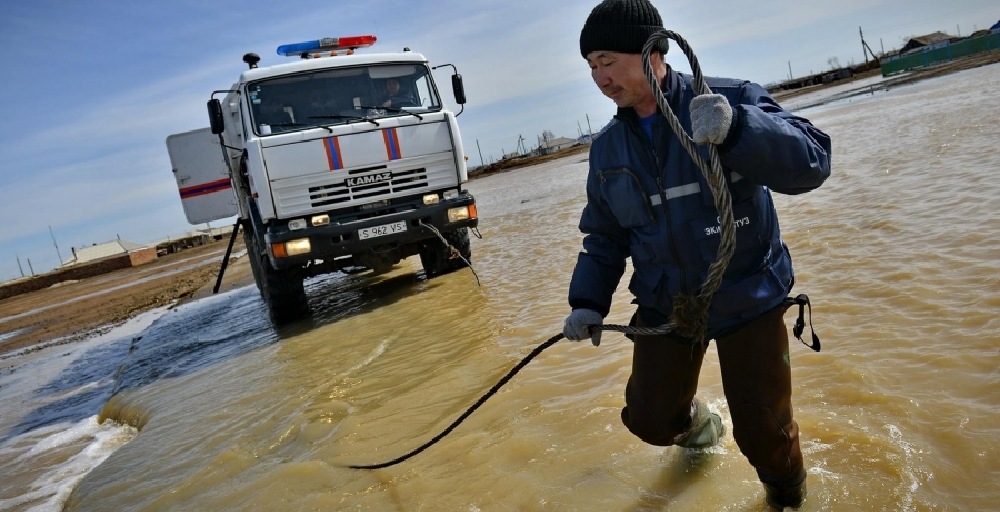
[692, 321]
[642, 331]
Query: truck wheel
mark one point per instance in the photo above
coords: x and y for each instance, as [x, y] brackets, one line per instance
[282, 290]
[438, 259]
[285, 295]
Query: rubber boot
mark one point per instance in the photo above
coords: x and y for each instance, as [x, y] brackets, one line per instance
[779, 497]
[706, 428]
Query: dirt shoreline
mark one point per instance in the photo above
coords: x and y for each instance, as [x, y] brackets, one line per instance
[75, 311]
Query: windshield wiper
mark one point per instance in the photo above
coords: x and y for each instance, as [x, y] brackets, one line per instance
[338, 116]
[394, 109]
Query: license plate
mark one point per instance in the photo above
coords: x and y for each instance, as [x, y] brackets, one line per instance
[383, 230]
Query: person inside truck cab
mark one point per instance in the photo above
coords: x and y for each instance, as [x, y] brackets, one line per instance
[396, 96]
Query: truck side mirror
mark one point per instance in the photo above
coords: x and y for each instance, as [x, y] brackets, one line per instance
[458, 88]
[215, 119]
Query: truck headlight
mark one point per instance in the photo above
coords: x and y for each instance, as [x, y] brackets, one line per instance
[450, 194]
[296, 224]
[321, 220]
[291, 248]
[430, 199]
[462, 213]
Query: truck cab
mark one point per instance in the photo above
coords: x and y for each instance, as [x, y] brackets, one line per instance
[338, 160]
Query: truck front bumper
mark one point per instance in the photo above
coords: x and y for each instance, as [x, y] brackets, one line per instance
[345, 237]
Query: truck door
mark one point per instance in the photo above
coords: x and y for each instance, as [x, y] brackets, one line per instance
[202, 176]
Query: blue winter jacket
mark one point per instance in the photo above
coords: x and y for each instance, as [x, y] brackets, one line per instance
[650, 201]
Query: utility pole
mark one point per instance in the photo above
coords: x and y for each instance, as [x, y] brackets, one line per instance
[32, 269]
[790, 77]
[481, 162]
[55, 244]
[19, 267]
[590, 131]
[863, 51]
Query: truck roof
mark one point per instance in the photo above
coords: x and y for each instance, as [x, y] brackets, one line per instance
[357, 59]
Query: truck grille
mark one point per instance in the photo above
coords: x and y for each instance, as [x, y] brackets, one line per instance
[400, 182]
[328, 190]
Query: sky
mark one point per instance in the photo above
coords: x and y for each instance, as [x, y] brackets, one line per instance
[90, 90]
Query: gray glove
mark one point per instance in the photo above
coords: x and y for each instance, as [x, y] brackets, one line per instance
[577, 326]
[711, 118]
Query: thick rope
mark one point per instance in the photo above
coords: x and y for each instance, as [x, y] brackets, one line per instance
[496, 387]
[690, 315]
[642, 331]
[454, 251]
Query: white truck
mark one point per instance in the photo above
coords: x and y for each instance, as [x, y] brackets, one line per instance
[337, 161]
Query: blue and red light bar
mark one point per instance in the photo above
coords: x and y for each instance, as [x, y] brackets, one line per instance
[327, 44]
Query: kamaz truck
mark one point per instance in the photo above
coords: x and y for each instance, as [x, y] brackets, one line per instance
[337, 161]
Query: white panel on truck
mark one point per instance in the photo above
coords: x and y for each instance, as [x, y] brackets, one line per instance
[202, 176]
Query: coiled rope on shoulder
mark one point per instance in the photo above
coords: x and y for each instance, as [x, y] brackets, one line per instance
[690, 315]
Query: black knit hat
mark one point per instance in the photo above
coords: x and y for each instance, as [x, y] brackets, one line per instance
[621, 26]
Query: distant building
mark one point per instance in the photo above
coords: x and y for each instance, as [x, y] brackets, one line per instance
[918, 43]
[95, 260]
[937, 48]
[194, 238]
[215, 233]
[138, 253]
[552, 145]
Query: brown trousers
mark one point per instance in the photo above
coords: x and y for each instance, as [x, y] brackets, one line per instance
[757, 381]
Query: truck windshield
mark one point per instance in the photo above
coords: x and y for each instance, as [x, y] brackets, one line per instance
[342, 95]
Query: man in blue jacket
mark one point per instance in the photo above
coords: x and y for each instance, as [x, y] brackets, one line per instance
[647, 200]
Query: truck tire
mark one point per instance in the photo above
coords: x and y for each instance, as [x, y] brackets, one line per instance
[281, 289]
[284, 294]
[438, 259]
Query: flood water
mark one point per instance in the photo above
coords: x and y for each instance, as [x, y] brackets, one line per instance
[210, 408]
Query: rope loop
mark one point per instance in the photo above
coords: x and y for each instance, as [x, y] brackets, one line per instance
[690, 313]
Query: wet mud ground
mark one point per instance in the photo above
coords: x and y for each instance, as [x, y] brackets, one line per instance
[74, 310]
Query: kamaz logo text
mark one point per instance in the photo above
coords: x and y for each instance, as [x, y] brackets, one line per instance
[368, 180]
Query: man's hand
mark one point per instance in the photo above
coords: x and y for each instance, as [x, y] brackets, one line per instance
[711, 118]
[577, 326]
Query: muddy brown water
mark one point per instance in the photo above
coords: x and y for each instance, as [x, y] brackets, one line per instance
[900, 252]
